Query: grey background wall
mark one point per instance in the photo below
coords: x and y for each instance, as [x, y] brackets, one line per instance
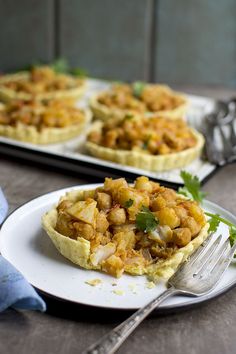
[173, 41]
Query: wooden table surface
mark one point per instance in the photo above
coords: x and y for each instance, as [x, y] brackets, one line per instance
[65, 328]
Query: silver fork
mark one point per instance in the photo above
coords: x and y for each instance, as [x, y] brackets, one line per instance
[196, 277]
[222, 118]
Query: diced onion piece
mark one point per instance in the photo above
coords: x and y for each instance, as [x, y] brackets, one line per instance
[161, 234]
[102, 252]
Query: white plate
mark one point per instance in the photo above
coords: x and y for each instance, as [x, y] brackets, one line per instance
[29, 249]
[72, 155]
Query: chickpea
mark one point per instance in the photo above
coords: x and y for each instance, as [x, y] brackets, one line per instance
[104, 200]
[143, 183]
[110, 138]
[196, 212]
[169, 194]
[117, 216]
[181, 237]
[192, 225]
[63, 225]
[84, 230]
[101, 222]
[155, 186]
[158, 203]
[163, 149]
[181, 212]
[167, 216]
[95, 137]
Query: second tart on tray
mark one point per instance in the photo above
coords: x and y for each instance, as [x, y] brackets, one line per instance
[154, 144]
[139, 98]
[42, 122]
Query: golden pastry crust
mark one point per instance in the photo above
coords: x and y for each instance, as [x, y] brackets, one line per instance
[78, 250]
[143, 160]
[103, 112]
[41, 134]
[8, 94]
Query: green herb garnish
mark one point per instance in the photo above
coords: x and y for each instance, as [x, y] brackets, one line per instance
[60, 66]
[128, 116]
[192, 187]
[146, 142]
[146, 220]
[79, 72]
[214, 222]
[192, 190]
[138, 88]
[128, 203]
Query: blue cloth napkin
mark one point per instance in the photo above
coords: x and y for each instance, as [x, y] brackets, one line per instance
[15, 291]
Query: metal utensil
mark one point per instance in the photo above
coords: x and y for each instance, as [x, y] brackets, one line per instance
[221, 121]
[196, 277]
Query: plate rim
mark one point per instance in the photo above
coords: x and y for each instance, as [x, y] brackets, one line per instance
[188, 304]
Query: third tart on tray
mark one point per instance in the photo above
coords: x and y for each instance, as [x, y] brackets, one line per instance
[150, 143]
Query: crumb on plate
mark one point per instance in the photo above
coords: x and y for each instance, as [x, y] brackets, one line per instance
[118, 292]
[150, 285]
[93, 282]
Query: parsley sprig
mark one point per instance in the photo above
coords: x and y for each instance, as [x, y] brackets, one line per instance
[192, 187]
[138, 87]
[61, 66]
[214, 222]
[146, 220]
[192, 190]
[128, 203]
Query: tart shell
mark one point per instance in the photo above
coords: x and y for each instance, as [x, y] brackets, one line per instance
[30, 134]
[78, 251]
[146, 161]
[102, 112]
[7, 94]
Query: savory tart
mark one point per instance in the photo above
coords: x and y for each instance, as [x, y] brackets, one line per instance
[142, 228]
[154, 144]
[42, 122]
[138, 98]
[40, 83]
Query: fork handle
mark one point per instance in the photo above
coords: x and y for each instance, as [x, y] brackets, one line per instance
[113, 340]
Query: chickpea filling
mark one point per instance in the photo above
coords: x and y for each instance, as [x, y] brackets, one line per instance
[53, 114]
[130, 226]
[43, 79]
[156, 136]
[151, 98]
